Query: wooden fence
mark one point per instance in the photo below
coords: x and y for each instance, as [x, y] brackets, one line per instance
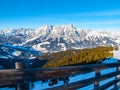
[20, 77]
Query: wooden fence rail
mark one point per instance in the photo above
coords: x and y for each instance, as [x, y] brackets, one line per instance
[22, 76]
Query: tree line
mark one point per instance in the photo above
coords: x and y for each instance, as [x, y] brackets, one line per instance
[81, 56]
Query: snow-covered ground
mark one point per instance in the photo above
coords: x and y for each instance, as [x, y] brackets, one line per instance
[7, 88]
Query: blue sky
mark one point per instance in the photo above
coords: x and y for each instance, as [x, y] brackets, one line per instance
[86, 14]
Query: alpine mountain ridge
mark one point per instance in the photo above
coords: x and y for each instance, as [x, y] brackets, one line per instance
[49, 38]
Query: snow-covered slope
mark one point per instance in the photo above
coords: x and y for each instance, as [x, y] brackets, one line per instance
[117, 54]
[9, 51]
[50, 38]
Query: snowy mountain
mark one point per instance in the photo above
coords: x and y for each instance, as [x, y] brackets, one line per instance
[50, 38]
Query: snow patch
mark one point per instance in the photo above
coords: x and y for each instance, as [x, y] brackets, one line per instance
[17, 53]
[39, 48]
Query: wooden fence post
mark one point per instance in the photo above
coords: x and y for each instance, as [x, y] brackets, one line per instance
[116, 86]
[25, 84]
[96, 83]
[19, 65]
